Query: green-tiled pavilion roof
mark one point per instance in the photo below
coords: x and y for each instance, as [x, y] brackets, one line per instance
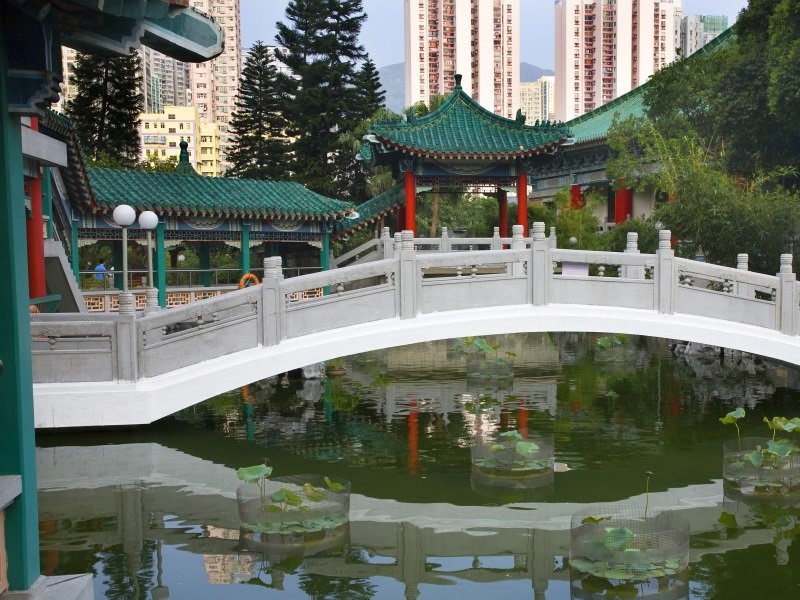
[176, 194]
[594, 125]
[374, 208]
[462, 128]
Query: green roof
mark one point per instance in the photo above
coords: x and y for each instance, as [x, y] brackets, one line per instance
[595, 124]
[177, 194]
[462, 128]
[374, 209]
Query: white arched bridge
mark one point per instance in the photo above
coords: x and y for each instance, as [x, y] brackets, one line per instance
[118, 369]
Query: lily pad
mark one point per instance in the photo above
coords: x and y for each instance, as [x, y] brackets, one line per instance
[616, 538]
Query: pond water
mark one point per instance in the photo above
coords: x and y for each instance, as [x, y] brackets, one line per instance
[153, 512]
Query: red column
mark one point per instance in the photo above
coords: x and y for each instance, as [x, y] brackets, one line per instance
[522, 421]
[575, 197]
[502, 212]
[35, 235]
[522, 202]
[413, 439]
[623, 205]
[411, 202]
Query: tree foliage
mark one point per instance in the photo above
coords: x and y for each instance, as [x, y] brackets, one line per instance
[711, 211]
[106, 106]
[321, 49]
[257, 125]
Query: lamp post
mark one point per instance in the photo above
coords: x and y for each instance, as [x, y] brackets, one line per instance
[148, 221]
[124, 216]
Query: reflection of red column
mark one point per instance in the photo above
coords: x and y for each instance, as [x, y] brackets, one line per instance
[522, 202]
[504, 419]
[623, 205]
[575, 197]
[522, 421]
[411, 202]
[413, 438]
[35, 234]
[502, 212]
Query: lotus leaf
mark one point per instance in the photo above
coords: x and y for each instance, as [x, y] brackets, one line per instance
[312, 493]
[527, 448]
[755, 457]
[511, 435]
[616, 538]
[728, 520]
[782, 448]
[332, 485]
[254, 474]
[484, 345]
[594, 520]
[732, 416]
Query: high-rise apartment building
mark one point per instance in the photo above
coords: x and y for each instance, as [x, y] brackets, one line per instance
[165, 80]
[478, 39]
[215, 83]
[537, 99]
[605, 48]
[161, 133]
[698, 30]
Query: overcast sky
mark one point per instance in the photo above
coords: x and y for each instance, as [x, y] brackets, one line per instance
[382, 34]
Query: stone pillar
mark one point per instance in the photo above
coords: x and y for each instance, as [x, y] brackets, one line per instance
[272, 302]
[632, 247]
[787, 297]
[17, 439]
[411, 202]
[407, 271]
[522, 202]
[664, 279]
[502, 212]
[743, 289]
[497, 243]
[387, 243]
[161, 264]
[542, 264]
[444, 245]
[623, 205]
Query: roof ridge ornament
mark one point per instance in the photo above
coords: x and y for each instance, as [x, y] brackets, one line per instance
[458, 81]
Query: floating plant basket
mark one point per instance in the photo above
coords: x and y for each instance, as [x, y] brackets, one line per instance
[761, 467]
[512, 461]
[298, 510]
[616, 549]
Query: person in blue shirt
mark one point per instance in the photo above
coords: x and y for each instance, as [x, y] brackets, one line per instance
[101, 269]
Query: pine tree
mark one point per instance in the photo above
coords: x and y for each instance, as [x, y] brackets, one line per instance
[322, 53]
[106, 107]
[368, 83]
[257, 124]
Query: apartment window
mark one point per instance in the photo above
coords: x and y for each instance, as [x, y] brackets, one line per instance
[147, 125]
[172, 130]
[180, 126]
[172, 144]
[170, 116]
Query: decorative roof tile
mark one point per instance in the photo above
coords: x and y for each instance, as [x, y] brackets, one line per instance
[373, 209]
[178, 194]
[461, 127]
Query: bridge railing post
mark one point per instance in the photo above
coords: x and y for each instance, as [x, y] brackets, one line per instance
[444, 246]
[408, 276]
[497, 243]
[665, 279]
[387, 243]
[541, 270]
[787, 296]
[517, 243]
[632, 247]
[127, 348]
[553, 239]
[273, 304]
[743, 290]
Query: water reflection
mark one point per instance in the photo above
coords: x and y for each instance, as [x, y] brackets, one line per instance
[153, 512]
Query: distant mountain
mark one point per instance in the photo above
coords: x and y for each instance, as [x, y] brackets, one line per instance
[393, 81]
[529, 72]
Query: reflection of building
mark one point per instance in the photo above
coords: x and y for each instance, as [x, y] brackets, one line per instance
[223, 569]
[478, 39]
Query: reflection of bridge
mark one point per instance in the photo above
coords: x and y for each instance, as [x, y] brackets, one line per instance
[119, 369]
[130, 488]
